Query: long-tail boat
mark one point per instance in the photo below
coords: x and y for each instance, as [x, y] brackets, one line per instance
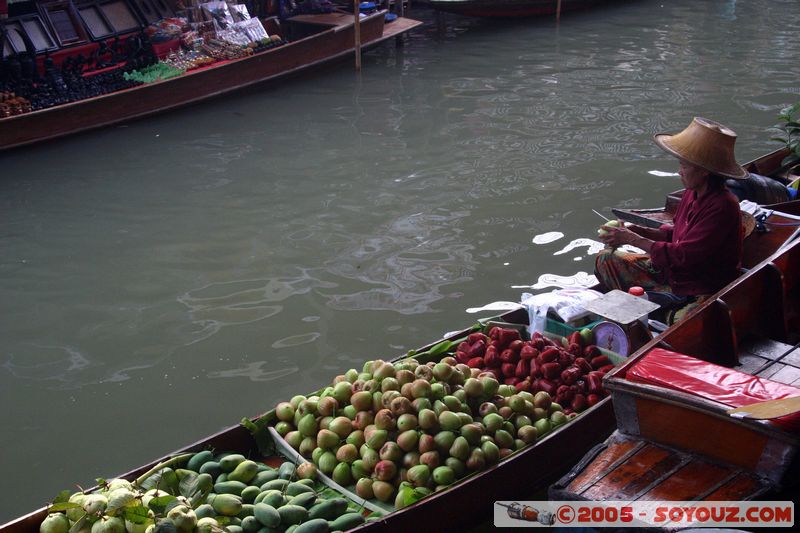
[325, 37]
[675, 438]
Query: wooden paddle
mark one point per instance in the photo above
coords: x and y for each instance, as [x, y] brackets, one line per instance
[767, 410]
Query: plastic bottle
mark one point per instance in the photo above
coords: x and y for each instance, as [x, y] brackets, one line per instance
[639, 293]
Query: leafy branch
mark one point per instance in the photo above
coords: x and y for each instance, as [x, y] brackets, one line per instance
[789, 128]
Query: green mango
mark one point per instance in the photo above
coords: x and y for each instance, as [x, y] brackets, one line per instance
[346, 521]
[264, 476]
[211, 468]
[231, 461]
[199, 459]
[267, 515]
[292, 514]
[229, 487]
[328, 509]
[244, 471]
[250, 493]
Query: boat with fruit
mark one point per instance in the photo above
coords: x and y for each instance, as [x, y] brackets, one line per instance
[298, 43]
[696, 412]
[512, 8]
[445, 420]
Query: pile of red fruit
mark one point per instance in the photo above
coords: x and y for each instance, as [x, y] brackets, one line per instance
[572, 375]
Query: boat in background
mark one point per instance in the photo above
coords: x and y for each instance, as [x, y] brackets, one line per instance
[675, 439]
[322, 38]
[513, 8]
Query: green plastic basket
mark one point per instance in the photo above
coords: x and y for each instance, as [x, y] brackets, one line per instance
[560, 328]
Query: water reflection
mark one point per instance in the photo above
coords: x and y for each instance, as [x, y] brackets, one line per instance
[546, 238]
[217, 305]
[592, 246]
[404, 265]
[43, 363]
[255, 372]
[295, 340]
[546, 281]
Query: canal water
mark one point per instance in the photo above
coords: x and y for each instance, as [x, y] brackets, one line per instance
[163, 279]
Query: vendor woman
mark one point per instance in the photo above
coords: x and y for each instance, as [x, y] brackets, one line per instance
[700, 252]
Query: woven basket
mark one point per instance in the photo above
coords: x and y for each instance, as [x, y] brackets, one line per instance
[748, 224]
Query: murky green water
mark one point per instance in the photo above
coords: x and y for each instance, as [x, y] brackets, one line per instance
[161, 280]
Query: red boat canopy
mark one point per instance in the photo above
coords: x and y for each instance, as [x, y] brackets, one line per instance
[690, 375]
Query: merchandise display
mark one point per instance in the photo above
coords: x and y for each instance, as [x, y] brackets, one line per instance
[157, 72]
[102, 46]
[11, 104]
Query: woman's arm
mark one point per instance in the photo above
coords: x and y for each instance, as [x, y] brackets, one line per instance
[653, 234]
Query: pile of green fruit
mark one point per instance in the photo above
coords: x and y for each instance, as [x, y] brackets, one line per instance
[206, 493]
[400, 431]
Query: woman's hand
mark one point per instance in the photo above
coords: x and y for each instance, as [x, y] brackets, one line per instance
[616, 236]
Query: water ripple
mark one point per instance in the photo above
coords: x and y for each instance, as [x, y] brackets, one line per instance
[255, 372]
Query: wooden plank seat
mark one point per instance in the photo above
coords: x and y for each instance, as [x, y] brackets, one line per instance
[771, 359]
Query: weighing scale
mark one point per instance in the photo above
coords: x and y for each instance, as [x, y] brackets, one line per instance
[622, 332]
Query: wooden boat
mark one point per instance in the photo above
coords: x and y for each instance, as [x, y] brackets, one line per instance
[531, 468]
[674, 438]
[328, 37]
[512, 8]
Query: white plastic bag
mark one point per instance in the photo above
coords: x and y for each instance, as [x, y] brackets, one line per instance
[568, 304]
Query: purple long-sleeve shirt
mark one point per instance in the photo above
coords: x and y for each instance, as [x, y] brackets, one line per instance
[703, 248]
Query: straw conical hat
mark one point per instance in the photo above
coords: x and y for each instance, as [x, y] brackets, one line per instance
[707, 144]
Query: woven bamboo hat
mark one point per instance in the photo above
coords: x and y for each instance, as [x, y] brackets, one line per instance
[707, 144]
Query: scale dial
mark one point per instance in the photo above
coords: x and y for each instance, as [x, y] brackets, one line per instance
[612, 337]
